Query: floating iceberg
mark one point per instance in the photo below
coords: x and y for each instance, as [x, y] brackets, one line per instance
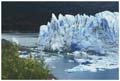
[98, 33]
[97, 63]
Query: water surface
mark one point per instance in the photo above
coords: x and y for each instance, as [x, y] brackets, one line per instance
[60, 65]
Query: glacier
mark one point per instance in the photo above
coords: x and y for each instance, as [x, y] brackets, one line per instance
[70, 33]
[91, 39]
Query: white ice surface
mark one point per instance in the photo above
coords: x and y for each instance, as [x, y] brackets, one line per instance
[80, 32]
[98, 33]
[98, 63]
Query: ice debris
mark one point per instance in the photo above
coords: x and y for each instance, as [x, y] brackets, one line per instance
[96, 63]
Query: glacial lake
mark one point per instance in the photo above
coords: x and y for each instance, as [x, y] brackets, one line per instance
[31, 40]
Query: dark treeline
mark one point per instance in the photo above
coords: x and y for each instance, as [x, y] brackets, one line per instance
[28, 16]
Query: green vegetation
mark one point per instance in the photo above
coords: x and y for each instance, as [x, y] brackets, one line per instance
[14, 67]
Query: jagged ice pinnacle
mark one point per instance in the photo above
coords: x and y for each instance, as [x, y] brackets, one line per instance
[80, 32]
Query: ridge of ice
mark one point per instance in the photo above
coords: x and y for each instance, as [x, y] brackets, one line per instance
[80, 32]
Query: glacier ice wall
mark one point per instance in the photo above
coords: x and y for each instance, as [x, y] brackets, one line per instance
[80, 32]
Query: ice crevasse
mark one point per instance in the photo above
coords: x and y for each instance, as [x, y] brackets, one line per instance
[81, 32]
